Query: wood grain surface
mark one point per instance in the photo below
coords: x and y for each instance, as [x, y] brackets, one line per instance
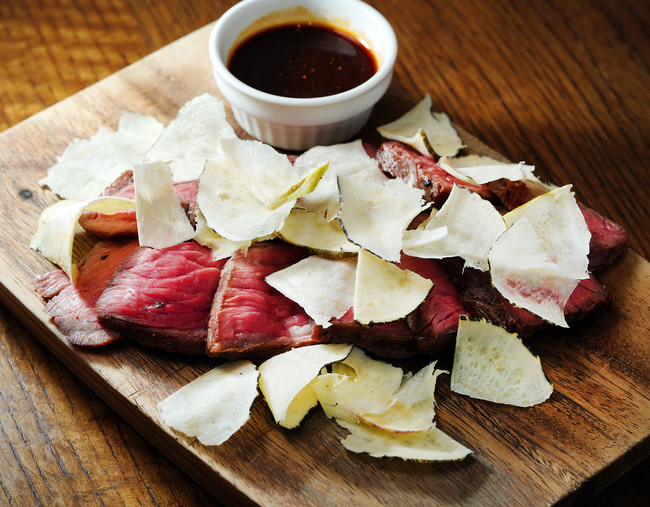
[562, 85]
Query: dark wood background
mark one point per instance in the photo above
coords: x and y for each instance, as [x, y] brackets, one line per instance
[562, 85]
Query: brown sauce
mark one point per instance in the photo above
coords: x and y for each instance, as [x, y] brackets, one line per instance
[302, 60]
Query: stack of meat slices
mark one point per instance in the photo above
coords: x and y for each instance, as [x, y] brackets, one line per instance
[182, 300]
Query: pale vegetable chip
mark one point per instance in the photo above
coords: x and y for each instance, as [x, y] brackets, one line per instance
[57, 225]
[472, 224]
[346, 159]
[494, 365]
[374, 215]
[286, 380]
[440, 133]
[215, 405]
[266, 173]
[522, 272]
[192, 137]
[231, 209]
[358, 385]
[220, 247]
[449, 164]
[482, 170]
[430, 445]
[314, 231]
[559, 223]
[413, 408]
[540, 259]
[162, 221]
[384, 292]
[324, 288]
[88, 166]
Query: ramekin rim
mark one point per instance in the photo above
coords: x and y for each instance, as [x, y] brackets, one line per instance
[383, 71]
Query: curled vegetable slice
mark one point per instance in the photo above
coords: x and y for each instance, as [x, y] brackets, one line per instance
[286, 380]
[324, 288]
[88, 166]
[384, 292]
[429, 445]
[57, 225]
[231, 209]
[162, 221]
[192, 137]
[215, 405]
[423, 129]
[374, 215]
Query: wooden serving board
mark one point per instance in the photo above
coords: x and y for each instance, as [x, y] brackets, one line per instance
[594, 427]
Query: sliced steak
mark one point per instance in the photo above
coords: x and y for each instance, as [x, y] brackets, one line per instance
[589, 296]
[420, 171]
[483, 300]
[609, 241]
[123, 186]
[515, 193]
[50, 284]
[124, 223]
[72, 307]
[435, 321]
[248, 316]
[161, 298]
[392, 340]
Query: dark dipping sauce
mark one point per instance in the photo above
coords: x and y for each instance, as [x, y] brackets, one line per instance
[302, 60]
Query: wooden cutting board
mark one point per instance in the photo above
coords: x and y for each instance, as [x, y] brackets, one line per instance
[594, 427]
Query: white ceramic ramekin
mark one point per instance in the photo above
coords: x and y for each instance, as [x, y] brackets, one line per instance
[300, 123]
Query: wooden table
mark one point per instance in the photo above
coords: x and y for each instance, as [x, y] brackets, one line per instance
[563, 85]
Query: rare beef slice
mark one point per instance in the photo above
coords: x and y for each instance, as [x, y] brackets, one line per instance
[420, 171]
[73, 307]
[248, 316]
[435, 321]
[161, 298]
[609, 241]
[483, 300]
[389, 340]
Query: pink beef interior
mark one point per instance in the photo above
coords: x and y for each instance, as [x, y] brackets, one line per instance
[162, 297]
[73, 308]
[435, 321]
[401, 161]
